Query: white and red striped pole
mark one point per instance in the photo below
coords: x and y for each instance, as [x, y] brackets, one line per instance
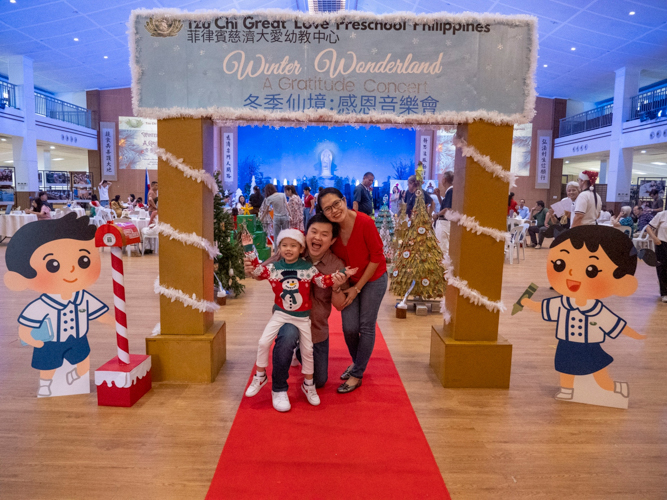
[119, 304]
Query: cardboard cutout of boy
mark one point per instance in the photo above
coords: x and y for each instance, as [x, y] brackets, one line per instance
[586, 264]
[57, 258]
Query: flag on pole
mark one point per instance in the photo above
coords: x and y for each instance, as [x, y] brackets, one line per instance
[147, 188]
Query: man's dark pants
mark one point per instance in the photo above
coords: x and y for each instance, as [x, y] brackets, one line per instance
[286, 341]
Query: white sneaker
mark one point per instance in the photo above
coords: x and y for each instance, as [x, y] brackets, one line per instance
[44, 388]
[257, 383]
[72, 376]
[664, 298]
[565, 394]
[311, 394]
[281, 401]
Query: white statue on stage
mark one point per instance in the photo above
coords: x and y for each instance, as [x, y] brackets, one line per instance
[325, 161]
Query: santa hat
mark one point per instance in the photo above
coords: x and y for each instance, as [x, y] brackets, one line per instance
[589, 175]
[294, 234]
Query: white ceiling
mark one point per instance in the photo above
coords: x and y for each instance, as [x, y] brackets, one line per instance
[62, 157]
[605, 36]
[643, 162]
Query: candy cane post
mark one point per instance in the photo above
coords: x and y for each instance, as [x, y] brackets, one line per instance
[125, 378]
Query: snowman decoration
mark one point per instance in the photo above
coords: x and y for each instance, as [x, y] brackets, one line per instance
[292, 299]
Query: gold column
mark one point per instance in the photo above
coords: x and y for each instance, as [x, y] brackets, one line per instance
[468, 352]
[191, 346]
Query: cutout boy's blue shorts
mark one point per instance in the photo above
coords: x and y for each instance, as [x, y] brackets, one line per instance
[51, 355]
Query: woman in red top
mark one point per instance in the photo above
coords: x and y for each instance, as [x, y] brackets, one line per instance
[511, 204]
[358, 245]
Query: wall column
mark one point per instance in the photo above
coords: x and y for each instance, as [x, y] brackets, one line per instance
[191, 346]
[24, 148]
[619, 175]
[468, 352]
[604, 166]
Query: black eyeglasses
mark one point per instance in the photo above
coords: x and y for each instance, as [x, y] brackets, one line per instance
[336, 205]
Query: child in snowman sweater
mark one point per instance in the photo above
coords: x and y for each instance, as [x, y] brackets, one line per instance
[290, 279]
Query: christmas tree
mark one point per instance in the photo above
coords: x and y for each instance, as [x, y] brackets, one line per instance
[419, 258]
[229, 265]
[402, 222]
[384, 215]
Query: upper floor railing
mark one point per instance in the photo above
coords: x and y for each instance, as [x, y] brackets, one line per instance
[588, 120]
[647, 105]
[64, 111]
[8, 95]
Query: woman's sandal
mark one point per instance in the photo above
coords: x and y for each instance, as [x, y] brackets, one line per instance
[344, 388]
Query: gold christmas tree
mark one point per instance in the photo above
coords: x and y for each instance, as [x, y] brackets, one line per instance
[419, 258]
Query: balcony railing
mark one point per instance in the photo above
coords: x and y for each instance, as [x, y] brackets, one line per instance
[646, 105]
[64, 111]
[588, 120]
[8, 95]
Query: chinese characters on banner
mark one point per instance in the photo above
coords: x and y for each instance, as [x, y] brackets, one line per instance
[366, 68]
[108, 150]
[543, 159]
[425, 152]
[228, 157]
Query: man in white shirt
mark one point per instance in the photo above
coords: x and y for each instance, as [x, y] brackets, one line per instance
[605, 216]
[103, 189]
[657, 231]
[523, 210]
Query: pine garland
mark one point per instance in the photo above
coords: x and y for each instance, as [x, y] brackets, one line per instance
[229, 263]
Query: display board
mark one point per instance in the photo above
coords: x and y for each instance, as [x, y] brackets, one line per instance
[137, 139]
[82, 186]
[352, 67]
[6, 186]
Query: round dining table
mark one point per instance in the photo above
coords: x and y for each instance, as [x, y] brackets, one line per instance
[9, 224]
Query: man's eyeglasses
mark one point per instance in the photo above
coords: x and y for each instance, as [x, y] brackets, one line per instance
[336, 205]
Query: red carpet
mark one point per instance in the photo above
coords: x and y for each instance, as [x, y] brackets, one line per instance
[364, 445]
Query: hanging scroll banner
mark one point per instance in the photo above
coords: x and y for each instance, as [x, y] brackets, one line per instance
[354, 67]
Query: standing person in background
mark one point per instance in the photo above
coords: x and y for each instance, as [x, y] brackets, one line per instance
[363, 202]
[411, 197]
[442, 225]
[589, 204]
[103, 189]
[240, 203]
[319, 192]
[152, 195]
[395, 200]
[522, 210]
[280, 214]
[256, 200]
[539, 214]
[657, 231]
[308, 205]
[511, 204]
[294, 208]
[657, 205]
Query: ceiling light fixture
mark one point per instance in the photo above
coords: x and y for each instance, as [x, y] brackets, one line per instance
[638, 172]
[53, 147]
[658, 163]
[567, 161]
[106, 57]
[57, 159]
[643, 151]
[76, 39]
[546, 65]
[3, 139]
[12, 1]
[632, 12]
[573, 48]
[9, 161]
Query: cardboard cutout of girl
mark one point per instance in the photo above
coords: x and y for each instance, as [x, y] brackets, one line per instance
[587, 264]
[57, 258]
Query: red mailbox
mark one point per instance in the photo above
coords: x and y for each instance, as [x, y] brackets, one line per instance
[117, 234]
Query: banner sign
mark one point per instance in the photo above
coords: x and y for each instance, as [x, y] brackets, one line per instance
[352, 67]
[137, 140]
[542, 179]
[228, 156]
[107, 150]
[425, 151]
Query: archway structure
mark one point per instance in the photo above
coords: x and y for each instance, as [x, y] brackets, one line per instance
[285, 68]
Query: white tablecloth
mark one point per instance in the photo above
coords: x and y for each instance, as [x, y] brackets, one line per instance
[9, 224]
[80, 212]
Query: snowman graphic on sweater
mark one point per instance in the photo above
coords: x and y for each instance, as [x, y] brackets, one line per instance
[291, 297]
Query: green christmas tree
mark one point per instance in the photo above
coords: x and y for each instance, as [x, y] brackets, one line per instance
[384, 215]
[419, 258]
[229, 265]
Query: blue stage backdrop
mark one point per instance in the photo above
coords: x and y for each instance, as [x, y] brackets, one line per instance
[321, 156]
